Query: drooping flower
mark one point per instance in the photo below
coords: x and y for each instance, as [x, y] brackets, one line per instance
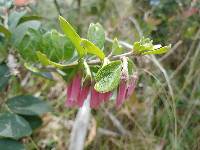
[125, 90]
[77, 94]
[73, 91]
[79, 89]
[121, 92]
[127, 83]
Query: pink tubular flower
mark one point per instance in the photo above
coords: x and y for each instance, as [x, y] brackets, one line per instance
[121, 93]
[78, 89]
[131, 86]
[77, 93]
[97, 98]
[73, 91]
[82, 95]
[125, 90]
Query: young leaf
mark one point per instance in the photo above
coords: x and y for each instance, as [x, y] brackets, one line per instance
[92, 49]
[161, 50]
[56, 46]
[29, 45]
[13, 126]
[108, 77]
[96, 35]
[28, 105]
[72, 35]
[145, 46]
[36, 71]
[86, 70]
[116, 47]
[45, 60]
[131, 67]
[9, 144]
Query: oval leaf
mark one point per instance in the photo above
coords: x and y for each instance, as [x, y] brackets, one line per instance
[28, 105]
[46, 61]
[161, 50]
[108, 77]
[34, 121]
[8, 144]
[21, 30]
[72, 35]
[116, 47]
[13, 126]
[96, 35]
[36, 71]
[92, 49]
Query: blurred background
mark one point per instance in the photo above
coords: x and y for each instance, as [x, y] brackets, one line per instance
[164, 110]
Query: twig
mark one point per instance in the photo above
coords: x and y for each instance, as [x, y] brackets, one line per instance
[187, 56]
[137, 26]
[171, 51]
[97, 61]
[57, 7]
[117, 123]
[107, 132]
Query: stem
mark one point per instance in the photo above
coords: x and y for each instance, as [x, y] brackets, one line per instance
[57, 7]
[97, 61]
[80, 126]
[33, 142]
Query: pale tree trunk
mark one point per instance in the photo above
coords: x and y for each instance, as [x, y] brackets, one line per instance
[80, 126]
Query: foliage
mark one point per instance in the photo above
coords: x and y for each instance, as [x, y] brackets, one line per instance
[164, 111]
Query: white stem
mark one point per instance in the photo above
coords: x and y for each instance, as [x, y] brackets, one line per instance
[80, 126]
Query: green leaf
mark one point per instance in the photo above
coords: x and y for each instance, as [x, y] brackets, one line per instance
[96, 35]
[9, 144]
[85, 68]
[92, 49]
[13, 126]
[131, 67]
[56, 46]
[14, 18]
[29, 18]
[4, 76]
[45, 60]
[161, 50]
[34, 121]
[145, 46]
[20, 31]
[28, 105]
[5, 31]
[72, 35]
[108, 77]
[29, 45]
[116, 47]
[36, 71]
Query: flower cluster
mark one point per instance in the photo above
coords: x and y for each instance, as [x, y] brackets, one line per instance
[77, 91]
